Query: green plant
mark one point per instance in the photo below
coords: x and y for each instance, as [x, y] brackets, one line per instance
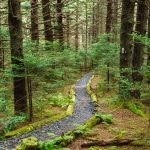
[106, 118]
[10, 123]
[57, 143]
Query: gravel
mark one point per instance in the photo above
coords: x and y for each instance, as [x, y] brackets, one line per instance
[83, 110]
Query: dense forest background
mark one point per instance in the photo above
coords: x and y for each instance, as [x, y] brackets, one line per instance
[46, 45]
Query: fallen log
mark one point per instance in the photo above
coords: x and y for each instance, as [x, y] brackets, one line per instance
[114, 142]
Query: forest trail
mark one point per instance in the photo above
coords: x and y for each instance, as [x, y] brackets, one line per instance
[83, 110]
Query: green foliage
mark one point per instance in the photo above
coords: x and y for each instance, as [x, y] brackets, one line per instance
[82, 130]
[141, 39]
[134, 106]
[106, 118]
[60, 100]
[104, 52]
[57, 143]
[11, 122]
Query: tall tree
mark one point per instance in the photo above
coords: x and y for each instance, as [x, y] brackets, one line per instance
[47, 20]
[138, 53]
[1, 54]
[34, 21]
[77, 26]
[60, 35]
[108, 30]
[68, 28]
[16, 44]
[1, 48]
[148, 57]
[127, 23]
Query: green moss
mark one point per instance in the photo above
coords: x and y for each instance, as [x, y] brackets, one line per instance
[35, 125]
[90, 92]
[134, 106]
[71, 135]
[30, 143]
[70, 110]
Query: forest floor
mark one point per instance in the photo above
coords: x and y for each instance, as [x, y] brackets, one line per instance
[126, 125]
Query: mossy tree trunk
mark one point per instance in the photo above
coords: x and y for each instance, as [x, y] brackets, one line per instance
[127, 23]
[16, 45]
[48, 32]
[138, 53]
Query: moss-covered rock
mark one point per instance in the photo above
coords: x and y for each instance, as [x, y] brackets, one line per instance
[30, 143]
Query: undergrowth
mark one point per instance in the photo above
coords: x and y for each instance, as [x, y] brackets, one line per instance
[134, 106]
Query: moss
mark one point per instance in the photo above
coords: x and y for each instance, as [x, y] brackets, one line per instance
[33, 126]
[69, 110]
[30, 143]
[90, 92]
[135, 107]
[71, 135]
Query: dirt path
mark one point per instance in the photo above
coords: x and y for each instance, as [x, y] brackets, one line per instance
[83, 110]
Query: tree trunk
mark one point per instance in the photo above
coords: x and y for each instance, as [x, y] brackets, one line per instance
[47, 20]
[148, 51]
[1, 50]
[1, 54]
[60, 35]
[138, 53]
[16, 44]
[115, 20]
[77, 27]
[34, 21]
[68, 29]
[127, 23]
[108, 30]
[86, 36]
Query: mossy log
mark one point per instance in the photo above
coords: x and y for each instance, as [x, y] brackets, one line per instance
[116, 142]
[90, 92]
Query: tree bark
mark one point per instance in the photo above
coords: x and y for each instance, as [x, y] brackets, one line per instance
[1, 54]
[60, 34]
[77, 27]
[108, 30]
[47, 20]
[138, 53]
[127, 23]
[68, 29]
[148, 51]
[16, 44]
[34, 21]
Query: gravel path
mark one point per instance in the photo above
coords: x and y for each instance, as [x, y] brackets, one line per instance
[83, 110]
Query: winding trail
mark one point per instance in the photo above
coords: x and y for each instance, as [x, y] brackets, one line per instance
[83, 110]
